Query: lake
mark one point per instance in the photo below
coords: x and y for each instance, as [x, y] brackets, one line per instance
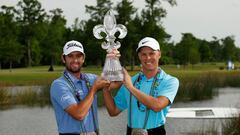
[22, 120]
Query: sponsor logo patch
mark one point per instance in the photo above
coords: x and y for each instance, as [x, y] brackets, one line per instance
[65, 97]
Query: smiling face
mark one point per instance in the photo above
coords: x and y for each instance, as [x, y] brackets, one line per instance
[149, 58]
[74, 62]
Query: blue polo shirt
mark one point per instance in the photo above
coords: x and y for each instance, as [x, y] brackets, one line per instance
[62, 97]
[166, 86]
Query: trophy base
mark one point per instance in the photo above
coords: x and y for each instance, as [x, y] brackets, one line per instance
[112, 70]
[113, 76]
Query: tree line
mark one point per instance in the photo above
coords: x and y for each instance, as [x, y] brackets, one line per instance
[29, 36]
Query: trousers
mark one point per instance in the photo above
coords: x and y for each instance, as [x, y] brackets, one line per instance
[153, 131]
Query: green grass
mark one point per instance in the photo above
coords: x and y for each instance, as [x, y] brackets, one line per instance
[35, 75]
[196, 83]
[40, 75]
[28, 76]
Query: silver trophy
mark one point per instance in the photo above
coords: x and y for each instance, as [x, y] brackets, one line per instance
[112, 69]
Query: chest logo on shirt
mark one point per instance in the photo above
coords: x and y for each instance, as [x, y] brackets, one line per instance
[80, 92]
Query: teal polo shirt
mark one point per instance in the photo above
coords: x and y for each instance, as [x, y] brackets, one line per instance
[167, 86]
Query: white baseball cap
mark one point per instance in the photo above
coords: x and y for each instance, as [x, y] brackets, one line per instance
[149, 42]
[72, 46]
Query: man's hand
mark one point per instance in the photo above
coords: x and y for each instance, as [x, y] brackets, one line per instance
[113, 85]
[127, 81]
[100, 83]
[113, 53]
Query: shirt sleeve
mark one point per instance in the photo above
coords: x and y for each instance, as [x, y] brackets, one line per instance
[168, 89]
[120, 99]
[123, 96]
[91, 78]
[61, 93]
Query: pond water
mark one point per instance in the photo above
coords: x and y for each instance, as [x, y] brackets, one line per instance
[226, 97]
[41, 120]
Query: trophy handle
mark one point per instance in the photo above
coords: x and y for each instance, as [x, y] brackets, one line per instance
[122, 29]
[97, 30]
[105, 45]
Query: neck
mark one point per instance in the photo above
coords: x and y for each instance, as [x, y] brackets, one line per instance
[150, 73]
[76, 74]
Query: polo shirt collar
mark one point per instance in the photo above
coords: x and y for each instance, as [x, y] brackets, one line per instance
[162, 75]
[72, 77]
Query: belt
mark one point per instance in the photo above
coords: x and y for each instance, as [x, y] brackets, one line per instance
[68, 134]
[89, 133]
[153, 131]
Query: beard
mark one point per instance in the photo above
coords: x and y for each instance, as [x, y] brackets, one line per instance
[73, 70]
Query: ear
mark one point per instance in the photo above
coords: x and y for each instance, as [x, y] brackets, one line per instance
[63, 59]
[138, 55]
[83, 59]
[160, 54]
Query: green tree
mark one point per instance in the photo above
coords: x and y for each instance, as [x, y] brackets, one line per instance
[167, 54]
[134, 35]
[183, 48]
[53, 42]
[154, 12]
[205, 51]
[77, 30]
[194, 56]
[229, 48]
[31, 17]
[97, 12]
[10, 49]
[126, 12]
[93, 45]
[238, 54]
[152, 19]
[216, 49]
[152, 24]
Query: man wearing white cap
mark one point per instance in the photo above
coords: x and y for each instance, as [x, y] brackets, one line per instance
[73, 95]
[148, 95]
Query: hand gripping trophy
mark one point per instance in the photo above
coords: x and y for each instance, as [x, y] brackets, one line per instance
[112, 69]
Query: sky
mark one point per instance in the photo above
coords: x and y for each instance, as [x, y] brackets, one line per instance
[203, 18]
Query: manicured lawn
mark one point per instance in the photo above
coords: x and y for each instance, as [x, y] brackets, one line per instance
[40, 75]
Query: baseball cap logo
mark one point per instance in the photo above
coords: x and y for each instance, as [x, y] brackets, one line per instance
[144, 42]
[149, 42]
[74, 44]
